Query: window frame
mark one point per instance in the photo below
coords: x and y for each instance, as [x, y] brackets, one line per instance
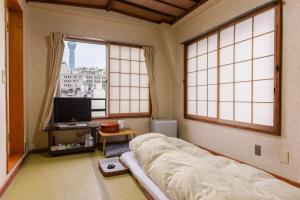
[107, 99]
[272, 130]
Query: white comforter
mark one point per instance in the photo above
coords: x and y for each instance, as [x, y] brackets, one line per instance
[186, 172]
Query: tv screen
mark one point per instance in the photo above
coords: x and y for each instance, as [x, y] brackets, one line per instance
[72, 110]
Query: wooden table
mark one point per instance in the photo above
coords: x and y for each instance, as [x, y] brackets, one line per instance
[127, 132]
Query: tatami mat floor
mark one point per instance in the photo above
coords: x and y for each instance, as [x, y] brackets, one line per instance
[71, 177]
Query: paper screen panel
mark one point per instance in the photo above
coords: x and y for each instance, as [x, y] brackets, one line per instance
[191, 93]
[202, 62]
[114, 65]
[202, 46]
[135, 54]
[212, 76]
[114, 51]
[243, 51]
[125, 53]
[96, 114]
[125, 80]
[114, 93]
[144, 81]
[135, 67]
[226, 55]
[212, 42]
[226, 74]
[135, 93]
[135, 80]
[226, 36]
[202, 93]
[263, 68]
[134, 106]
[243, 112]
[192, 50]
[226, 110]
[98, 104]
[263, 91]
[202, 108]
[144, 93]
[263, 113]
[125, 92]
[263, 45]
[124, 106]
[212, 59]
[144, 106]
[243, 91]
[114, 106]
[212, 92]
[125, 66]
[212, 109]
[202, 77]
[192, 65]
[243, 71]
[243, 30]
[264, 22]
[226, 92]
[191, 107]
[143, 69]
[114, 79]
[192, 79]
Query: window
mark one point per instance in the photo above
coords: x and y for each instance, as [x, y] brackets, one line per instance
[88, 66]
[129, 87]
[233, 73]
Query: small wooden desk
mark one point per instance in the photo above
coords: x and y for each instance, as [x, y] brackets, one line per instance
[127, 132]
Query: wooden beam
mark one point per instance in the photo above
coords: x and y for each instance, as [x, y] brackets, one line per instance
[146, 8]
[200, 2]
[139, 17]
[109, 5]
[82, 5]
[172, 5]
[104, 8]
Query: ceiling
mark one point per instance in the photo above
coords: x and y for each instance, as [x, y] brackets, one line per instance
[156, 11]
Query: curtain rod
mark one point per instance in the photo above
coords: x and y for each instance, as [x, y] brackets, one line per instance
[263, 6]
[96, 40]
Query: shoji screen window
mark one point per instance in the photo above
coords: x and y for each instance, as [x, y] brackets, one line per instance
[202, 77]
[129, 87]
[233, 73]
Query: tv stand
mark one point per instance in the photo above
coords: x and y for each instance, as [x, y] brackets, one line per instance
[62, 125]
[93, 126]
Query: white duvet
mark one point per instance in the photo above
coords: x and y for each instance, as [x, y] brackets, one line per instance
[186, 172]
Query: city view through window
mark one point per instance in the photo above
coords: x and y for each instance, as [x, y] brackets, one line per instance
[83, 74]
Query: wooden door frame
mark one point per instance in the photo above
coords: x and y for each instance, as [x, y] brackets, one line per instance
[14, 10]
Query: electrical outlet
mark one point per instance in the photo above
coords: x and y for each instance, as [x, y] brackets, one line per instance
[257, 150]
[284, 157]
[3, 76]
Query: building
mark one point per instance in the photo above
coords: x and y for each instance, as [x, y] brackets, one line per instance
[82, 82]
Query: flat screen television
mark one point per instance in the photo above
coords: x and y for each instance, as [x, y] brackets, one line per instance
[72, 110]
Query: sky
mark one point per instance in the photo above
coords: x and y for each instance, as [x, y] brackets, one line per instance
[87, 55]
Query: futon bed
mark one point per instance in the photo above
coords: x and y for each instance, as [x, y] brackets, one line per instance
[171, 168]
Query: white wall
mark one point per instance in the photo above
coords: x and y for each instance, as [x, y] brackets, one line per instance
[238, 143]
[2, 97]
[44, 19]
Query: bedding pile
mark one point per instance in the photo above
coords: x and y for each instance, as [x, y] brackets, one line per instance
[184, 171]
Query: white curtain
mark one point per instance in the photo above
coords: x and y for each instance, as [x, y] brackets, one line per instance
[149, 57]
[56, 53]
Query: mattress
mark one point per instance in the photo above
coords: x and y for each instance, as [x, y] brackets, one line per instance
[137, 171]
[184, 171]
